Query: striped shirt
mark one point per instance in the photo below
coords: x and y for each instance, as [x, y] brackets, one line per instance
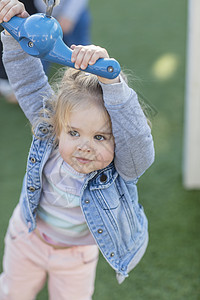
[60, 220]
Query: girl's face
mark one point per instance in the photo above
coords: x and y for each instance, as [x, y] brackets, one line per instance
[87, 144]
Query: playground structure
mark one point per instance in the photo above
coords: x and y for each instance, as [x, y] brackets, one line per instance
[191, 157]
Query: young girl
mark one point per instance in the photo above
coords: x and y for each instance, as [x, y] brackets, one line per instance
[90, 145]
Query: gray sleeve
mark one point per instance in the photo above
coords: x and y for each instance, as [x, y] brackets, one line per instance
[26, 76]
[134, 149]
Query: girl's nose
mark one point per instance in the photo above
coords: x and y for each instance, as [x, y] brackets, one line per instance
[86, 147]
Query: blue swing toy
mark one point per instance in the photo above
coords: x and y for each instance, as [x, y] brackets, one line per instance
[40, 35]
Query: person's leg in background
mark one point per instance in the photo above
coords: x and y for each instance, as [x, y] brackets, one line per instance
[81, 34]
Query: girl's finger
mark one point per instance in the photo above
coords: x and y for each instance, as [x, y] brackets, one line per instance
[77, 49]
[72, 46]
[75, 52]
[99, 53]
[80, 57]
[11, 9]
[84, 55]
[24, 14]
[86, 58]
[3, 9]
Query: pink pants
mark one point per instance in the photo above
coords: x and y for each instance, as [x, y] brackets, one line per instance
[27, 262]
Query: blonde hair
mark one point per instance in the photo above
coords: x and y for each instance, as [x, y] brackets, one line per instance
[76, 90]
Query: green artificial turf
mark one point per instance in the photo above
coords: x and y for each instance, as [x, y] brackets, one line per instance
[143, 35]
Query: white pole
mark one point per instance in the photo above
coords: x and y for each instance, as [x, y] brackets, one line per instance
[191, 165]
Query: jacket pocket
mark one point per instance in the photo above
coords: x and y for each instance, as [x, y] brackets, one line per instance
[89, 254]
[108, 198]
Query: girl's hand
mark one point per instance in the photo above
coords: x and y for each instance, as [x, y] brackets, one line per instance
[82, 56]
[11, 8]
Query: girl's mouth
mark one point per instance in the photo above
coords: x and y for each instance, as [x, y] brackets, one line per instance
[83, 160]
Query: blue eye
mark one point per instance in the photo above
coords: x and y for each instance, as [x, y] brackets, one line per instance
[99, 137]
[73, 133]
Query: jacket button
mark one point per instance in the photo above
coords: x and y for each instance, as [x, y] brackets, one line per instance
[31, 189]
[33, 160]
[44, 130]
[103, 178]
[100, 231]
[87, 201]
[112, 254]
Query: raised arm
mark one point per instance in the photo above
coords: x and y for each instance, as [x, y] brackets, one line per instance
[134, 149]
[26, 77]
[25, 73]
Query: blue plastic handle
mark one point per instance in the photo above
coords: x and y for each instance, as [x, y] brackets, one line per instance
[42, 36]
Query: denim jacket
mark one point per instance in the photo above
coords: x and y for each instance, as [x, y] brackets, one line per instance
[109, 198]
